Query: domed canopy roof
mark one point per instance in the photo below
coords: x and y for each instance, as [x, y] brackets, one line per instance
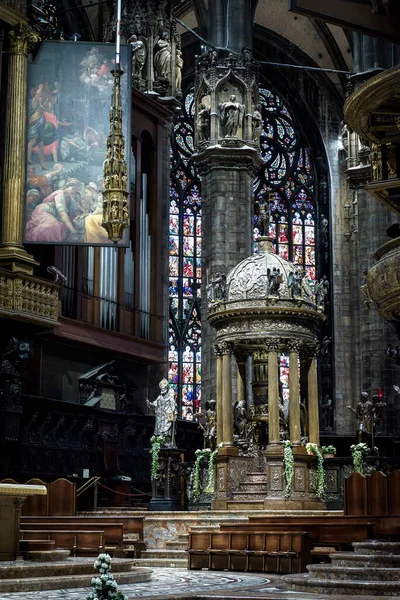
[267, 275]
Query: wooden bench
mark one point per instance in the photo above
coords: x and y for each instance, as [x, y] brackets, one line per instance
[113, 532]
[133, 525]
[78, 542]
[236, 550]
[322, 531]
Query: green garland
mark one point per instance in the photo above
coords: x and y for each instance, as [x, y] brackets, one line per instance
[358, 451]
[156, 442]
[208, 455]
[211, 473]
[313, 449]
[288, 463]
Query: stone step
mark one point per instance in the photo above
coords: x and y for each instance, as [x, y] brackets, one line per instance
[339, 573]
[245, 496]
[176, 545]
[351, 559]
[34, 584]
[164, 553]
[245, 505]
[71, 566]
[376, 547]
[205, 528]
[303, 582]
[46, 555]
[249, 486]
[178, 563]
[36, 545]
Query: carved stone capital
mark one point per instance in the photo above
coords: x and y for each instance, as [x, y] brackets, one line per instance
[273, 345]
[226, 347]
[20, 38]
[218, 350]
[294, 345]
[215, 157]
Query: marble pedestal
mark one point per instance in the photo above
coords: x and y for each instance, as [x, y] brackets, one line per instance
[166, 488]
[303, 495]
[12, 497]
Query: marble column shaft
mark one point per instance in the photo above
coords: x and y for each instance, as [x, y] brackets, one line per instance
[273, 397]
[294, 404]
[12, 251]
[227, 410]
[219, 388]
[313, 411]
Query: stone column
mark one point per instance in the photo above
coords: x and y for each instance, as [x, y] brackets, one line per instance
[12, 253]
[227, 409]
[241, 359]
[294, 388]
[313, 411]
[218, 354]
[273, 393]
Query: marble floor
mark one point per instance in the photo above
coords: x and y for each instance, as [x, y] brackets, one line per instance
[181, 584]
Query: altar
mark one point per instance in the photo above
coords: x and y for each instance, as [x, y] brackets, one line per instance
[12, 497]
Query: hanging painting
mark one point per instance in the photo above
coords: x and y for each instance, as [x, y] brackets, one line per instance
[69, 97]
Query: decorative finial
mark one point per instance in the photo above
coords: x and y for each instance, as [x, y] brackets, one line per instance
[115, 195]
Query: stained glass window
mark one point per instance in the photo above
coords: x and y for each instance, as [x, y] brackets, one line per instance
[287, 178]
[185, 266]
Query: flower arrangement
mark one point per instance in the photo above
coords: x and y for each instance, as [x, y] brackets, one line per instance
[156, 442]
[208, 455]
[313, 449]
[288, 463]
[104, 587]
[328, 450]
[358, 451]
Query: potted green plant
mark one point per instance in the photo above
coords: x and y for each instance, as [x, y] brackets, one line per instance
[328, 451]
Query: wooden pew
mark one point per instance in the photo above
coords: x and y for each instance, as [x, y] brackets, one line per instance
[113, 532]
[80, 543]
[324, 530]
[132, 526]
[239, 550]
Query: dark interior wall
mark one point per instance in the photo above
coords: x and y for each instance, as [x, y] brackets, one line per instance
[62, 364]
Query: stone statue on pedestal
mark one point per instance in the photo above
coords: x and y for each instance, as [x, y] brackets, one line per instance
[165, 413]
[139, 53]
[210, 430]
[364, 413]
[231, 116]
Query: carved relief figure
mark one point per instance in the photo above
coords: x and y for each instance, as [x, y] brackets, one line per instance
[203, 123]
[231, 116]
[324, 230]
[327, 410]
[322, 293]
[165, 412]
[257, 124]
[178, 70]
[216, 288]
[294, 283]
[139, 54]
[274, 280]
[241, 420]
[162, 56]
